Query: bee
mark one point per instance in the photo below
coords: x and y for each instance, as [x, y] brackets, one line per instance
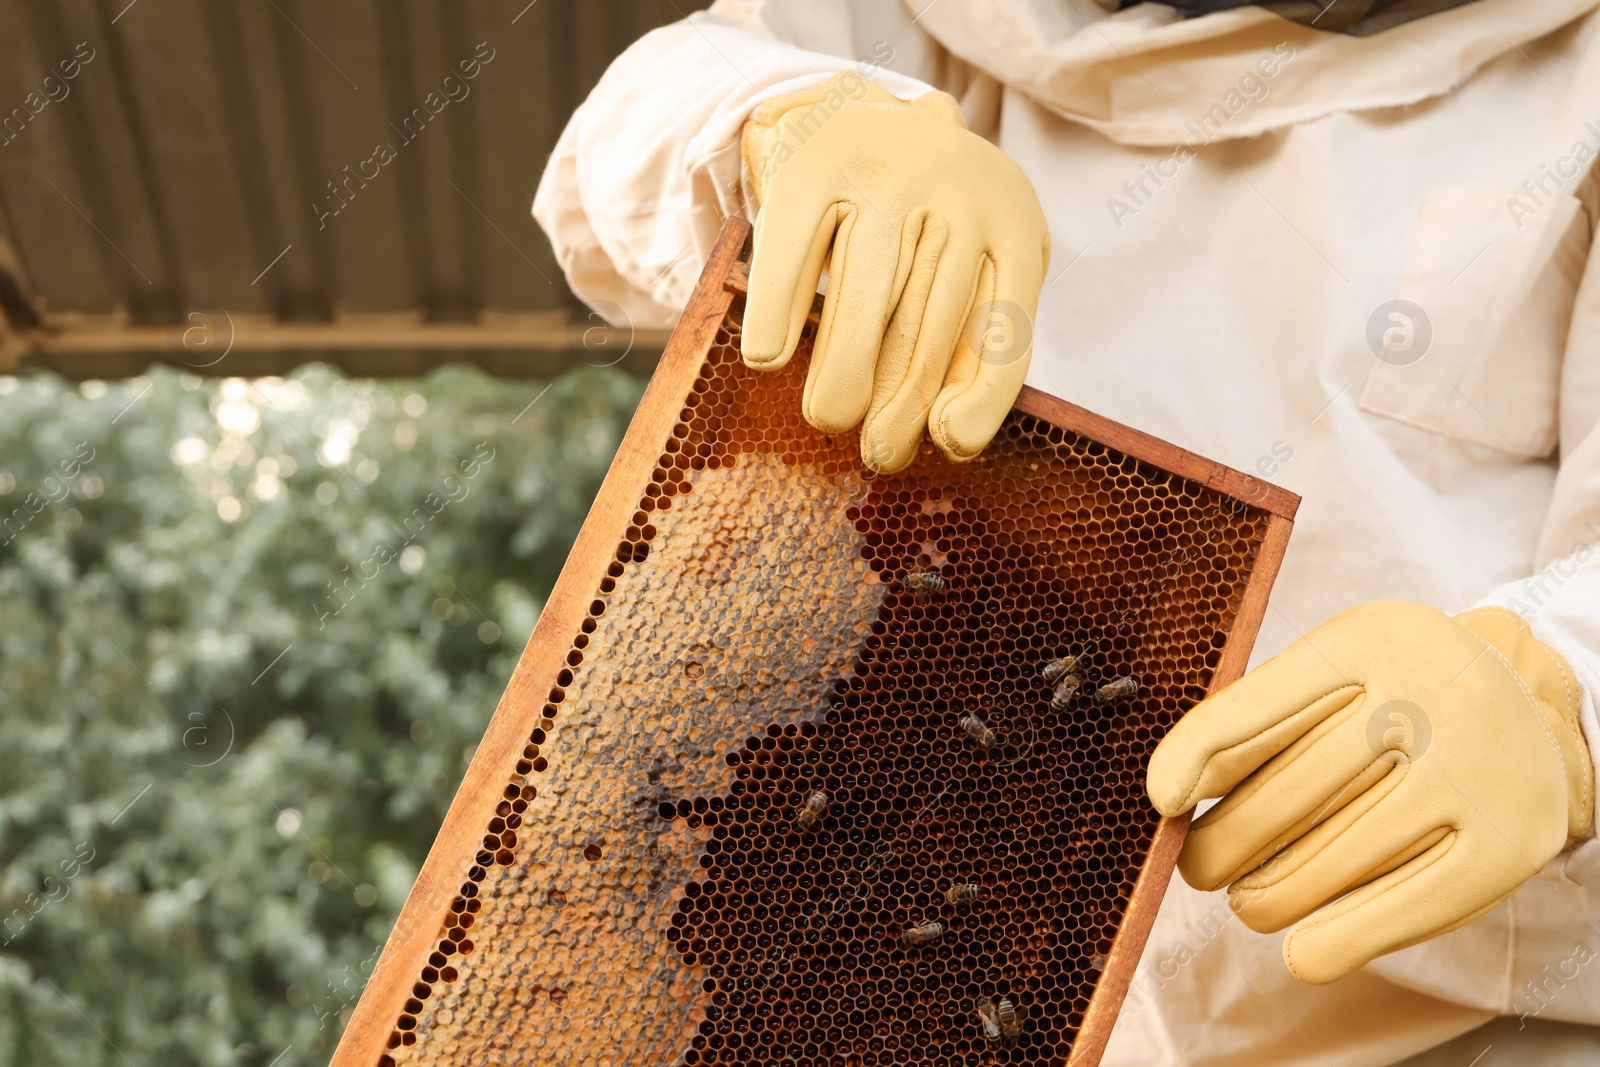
[1010, 1021]
[988, 1018]
[923, 582]
[980, 733]
[1119, 689]
[1058, 669]
[1061, 699]
[922, 934]
[815, 807]
[963, 892]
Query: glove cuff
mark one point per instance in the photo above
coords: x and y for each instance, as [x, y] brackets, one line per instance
[781, 126]
[1547, 678]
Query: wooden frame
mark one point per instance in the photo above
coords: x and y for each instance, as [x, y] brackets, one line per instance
[725, 276]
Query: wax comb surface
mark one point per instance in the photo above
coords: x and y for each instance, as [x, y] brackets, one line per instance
[778, 708]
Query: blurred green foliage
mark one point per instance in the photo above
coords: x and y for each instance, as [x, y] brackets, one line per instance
[252, 632]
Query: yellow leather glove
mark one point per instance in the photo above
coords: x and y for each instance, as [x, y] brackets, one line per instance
[935, 246]
[1424, 765]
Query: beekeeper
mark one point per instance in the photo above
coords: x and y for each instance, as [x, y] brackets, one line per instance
[1345, 247]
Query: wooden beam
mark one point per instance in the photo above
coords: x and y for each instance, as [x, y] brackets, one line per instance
[222, 345]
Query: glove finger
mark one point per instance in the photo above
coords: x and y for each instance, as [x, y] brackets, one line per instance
[1386, 827]
[1227, 736]
[1432, 894]
[918, 345]
[991, 357]
[791, 243]
[862, 273]
[926, 237]
[1330, 768]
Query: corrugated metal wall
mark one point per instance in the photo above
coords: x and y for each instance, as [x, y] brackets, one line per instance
[227, 153]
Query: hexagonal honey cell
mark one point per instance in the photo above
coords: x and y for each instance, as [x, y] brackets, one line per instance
[805, 703]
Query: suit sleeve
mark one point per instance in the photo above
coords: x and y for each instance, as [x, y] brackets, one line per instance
[649, 165]
[1561, 600]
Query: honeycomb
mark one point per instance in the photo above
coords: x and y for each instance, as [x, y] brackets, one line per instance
[779, 623]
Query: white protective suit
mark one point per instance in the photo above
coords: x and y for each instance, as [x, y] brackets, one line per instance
[1232, 200]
